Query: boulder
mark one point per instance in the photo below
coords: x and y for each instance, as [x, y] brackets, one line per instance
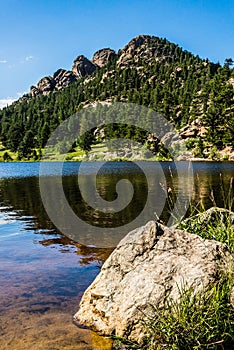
[170, 138]
[82, 67]
[149, 265]
[102, 57]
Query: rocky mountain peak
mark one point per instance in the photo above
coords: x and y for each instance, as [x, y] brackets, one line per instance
[137, 42]
[58, 73]
[103, 56]
[44, 86]
[139, 47]
[63, 78]
[83, 66]
[58, 81]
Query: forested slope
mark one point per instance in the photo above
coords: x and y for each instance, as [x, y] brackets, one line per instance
[196, 95]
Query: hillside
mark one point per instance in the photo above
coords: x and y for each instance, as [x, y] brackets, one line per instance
[196, 95]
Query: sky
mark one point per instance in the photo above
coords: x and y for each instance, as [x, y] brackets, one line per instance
[39, 37]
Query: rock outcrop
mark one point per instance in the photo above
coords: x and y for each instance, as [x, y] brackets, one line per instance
[103, 56]
[63, 78]
[46, 84]
[83, 67]
[34, 91]
[137, 49]
[140, 48]
[195, 129]
[149, 265]
[60, 80]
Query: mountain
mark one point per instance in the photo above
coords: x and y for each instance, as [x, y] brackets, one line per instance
[195, 95]
[81, 68]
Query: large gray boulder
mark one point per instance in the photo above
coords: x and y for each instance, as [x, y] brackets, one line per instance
[149, 265]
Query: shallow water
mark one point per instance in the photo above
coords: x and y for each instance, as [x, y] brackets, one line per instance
[43, 273]
[42, 278]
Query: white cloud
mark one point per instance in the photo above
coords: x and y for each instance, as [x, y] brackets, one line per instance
[20, 94]
[3, 61]
[6, 102]
[9, 100]
[29, 58]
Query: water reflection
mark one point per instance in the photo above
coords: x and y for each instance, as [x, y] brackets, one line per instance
[43, 273]
[22, 195]
[86, 254]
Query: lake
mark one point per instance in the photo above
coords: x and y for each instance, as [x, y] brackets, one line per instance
[44, 272]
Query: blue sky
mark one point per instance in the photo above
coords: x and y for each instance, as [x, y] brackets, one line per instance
[38, 37]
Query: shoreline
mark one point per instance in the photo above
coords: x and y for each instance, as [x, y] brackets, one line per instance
[121, 160]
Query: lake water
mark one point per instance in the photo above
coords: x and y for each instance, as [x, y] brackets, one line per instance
[43, 273]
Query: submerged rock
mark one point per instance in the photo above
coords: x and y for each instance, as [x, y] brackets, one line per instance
[150, 264]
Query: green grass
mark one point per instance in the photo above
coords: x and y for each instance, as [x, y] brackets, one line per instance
[75, 155]
[3, 150]
[214, 224]
[98, 152]
[201, 321]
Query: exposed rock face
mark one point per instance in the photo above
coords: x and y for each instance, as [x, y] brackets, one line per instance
[82, 67]
[150, 264]
[34, 91]
[63, 78]
[170, 138]
[195, 129]
[60, 80]
[46, 84]
[137, 49]
[231, 81]
[102, 57]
